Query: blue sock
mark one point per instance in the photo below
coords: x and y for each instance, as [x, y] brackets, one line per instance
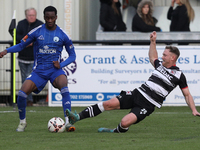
[66, 100]
[21, 103]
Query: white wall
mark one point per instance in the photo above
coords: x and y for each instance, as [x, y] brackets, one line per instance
[89, 19]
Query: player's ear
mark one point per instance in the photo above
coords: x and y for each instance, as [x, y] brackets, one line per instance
[173, 57]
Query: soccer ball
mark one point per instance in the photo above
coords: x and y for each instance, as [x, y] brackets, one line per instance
[56, 124]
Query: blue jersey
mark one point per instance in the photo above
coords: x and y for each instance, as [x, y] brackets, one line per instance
[48, 46]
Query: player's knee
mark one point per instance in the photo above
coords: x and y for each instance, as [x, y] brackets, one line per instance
[22, 94]
[124, 124]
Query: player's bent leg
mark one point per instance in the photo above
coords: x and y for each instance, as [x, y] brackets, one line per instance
[123, 126]
[128, 120]
[28, 86]
[125, 123]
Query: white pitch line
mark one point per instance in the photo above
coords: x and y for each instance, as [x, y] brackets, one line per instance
[171, 113]
[12, 111]
[157, 113]
[7, 111]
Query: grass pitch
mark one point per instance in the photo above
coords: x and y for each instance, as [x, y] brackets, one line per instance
[168, 128]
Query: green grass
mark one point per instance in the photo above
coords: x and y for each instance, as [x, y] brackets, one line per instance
[168, 128]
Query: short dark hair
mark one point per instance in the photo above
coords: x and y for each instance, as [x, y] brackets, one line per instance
[174, 50]
[50, 8]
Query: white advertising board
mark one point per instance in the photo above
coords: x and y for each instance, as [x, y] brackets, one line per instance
[101, 72]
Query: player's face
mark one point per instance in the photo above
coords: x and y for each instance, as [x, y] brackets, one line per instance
[50, 20]
[167, 58]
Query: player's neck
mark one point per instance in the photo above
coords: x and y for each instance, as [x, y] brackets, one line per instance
[52, 28]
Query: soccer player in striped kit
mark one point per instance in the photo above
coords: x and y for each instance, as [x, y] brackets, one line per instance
[143, 100]
[49, 40]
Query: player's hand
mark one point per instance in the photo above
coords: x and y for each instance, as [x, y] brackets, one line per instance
[3, 53]
[56, 64]
[196, 113]
[153, 36]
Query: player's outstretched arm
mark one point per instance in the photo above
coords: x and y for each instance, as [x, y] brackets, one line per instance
[153, 54]
[3, 53]
[190, 102]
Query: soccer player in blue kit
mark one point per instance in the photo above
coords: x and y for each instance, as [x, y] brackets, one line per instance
[49, 40]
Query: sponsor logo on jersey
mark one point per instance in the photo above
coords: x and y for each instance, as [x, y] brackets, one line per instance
[25, 38]
[46, 50]
[55, 39]
[164, 72]
[41, 37]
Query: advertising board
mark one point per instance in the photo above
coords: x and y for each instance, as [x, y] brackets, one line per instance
[101, 72]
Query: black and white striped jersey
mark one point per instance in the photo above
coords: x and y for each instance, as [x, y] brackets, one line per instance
[162, 81]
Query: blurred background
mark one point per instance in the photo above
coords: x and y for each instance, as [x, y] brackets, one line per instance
[79, 18]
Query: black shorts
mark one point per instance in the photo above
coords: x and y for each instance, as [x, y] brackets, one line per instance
[138, 104]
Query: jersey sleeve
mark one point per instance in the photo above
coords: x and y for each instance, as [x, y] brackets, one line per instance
[183, 82]
[70, 50]
[156, 63]
[28, 39]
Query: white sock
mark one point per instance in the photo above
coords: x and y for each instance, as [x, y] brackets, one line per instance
[66, 120]
[100, 105]
[23, 121]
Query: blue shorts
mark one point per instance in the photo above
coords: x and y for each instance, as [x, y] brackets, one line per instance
[41, 77]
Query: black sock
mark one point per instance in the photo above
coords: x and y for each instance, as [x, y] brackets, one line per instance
[120, 129]
[90, 111]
